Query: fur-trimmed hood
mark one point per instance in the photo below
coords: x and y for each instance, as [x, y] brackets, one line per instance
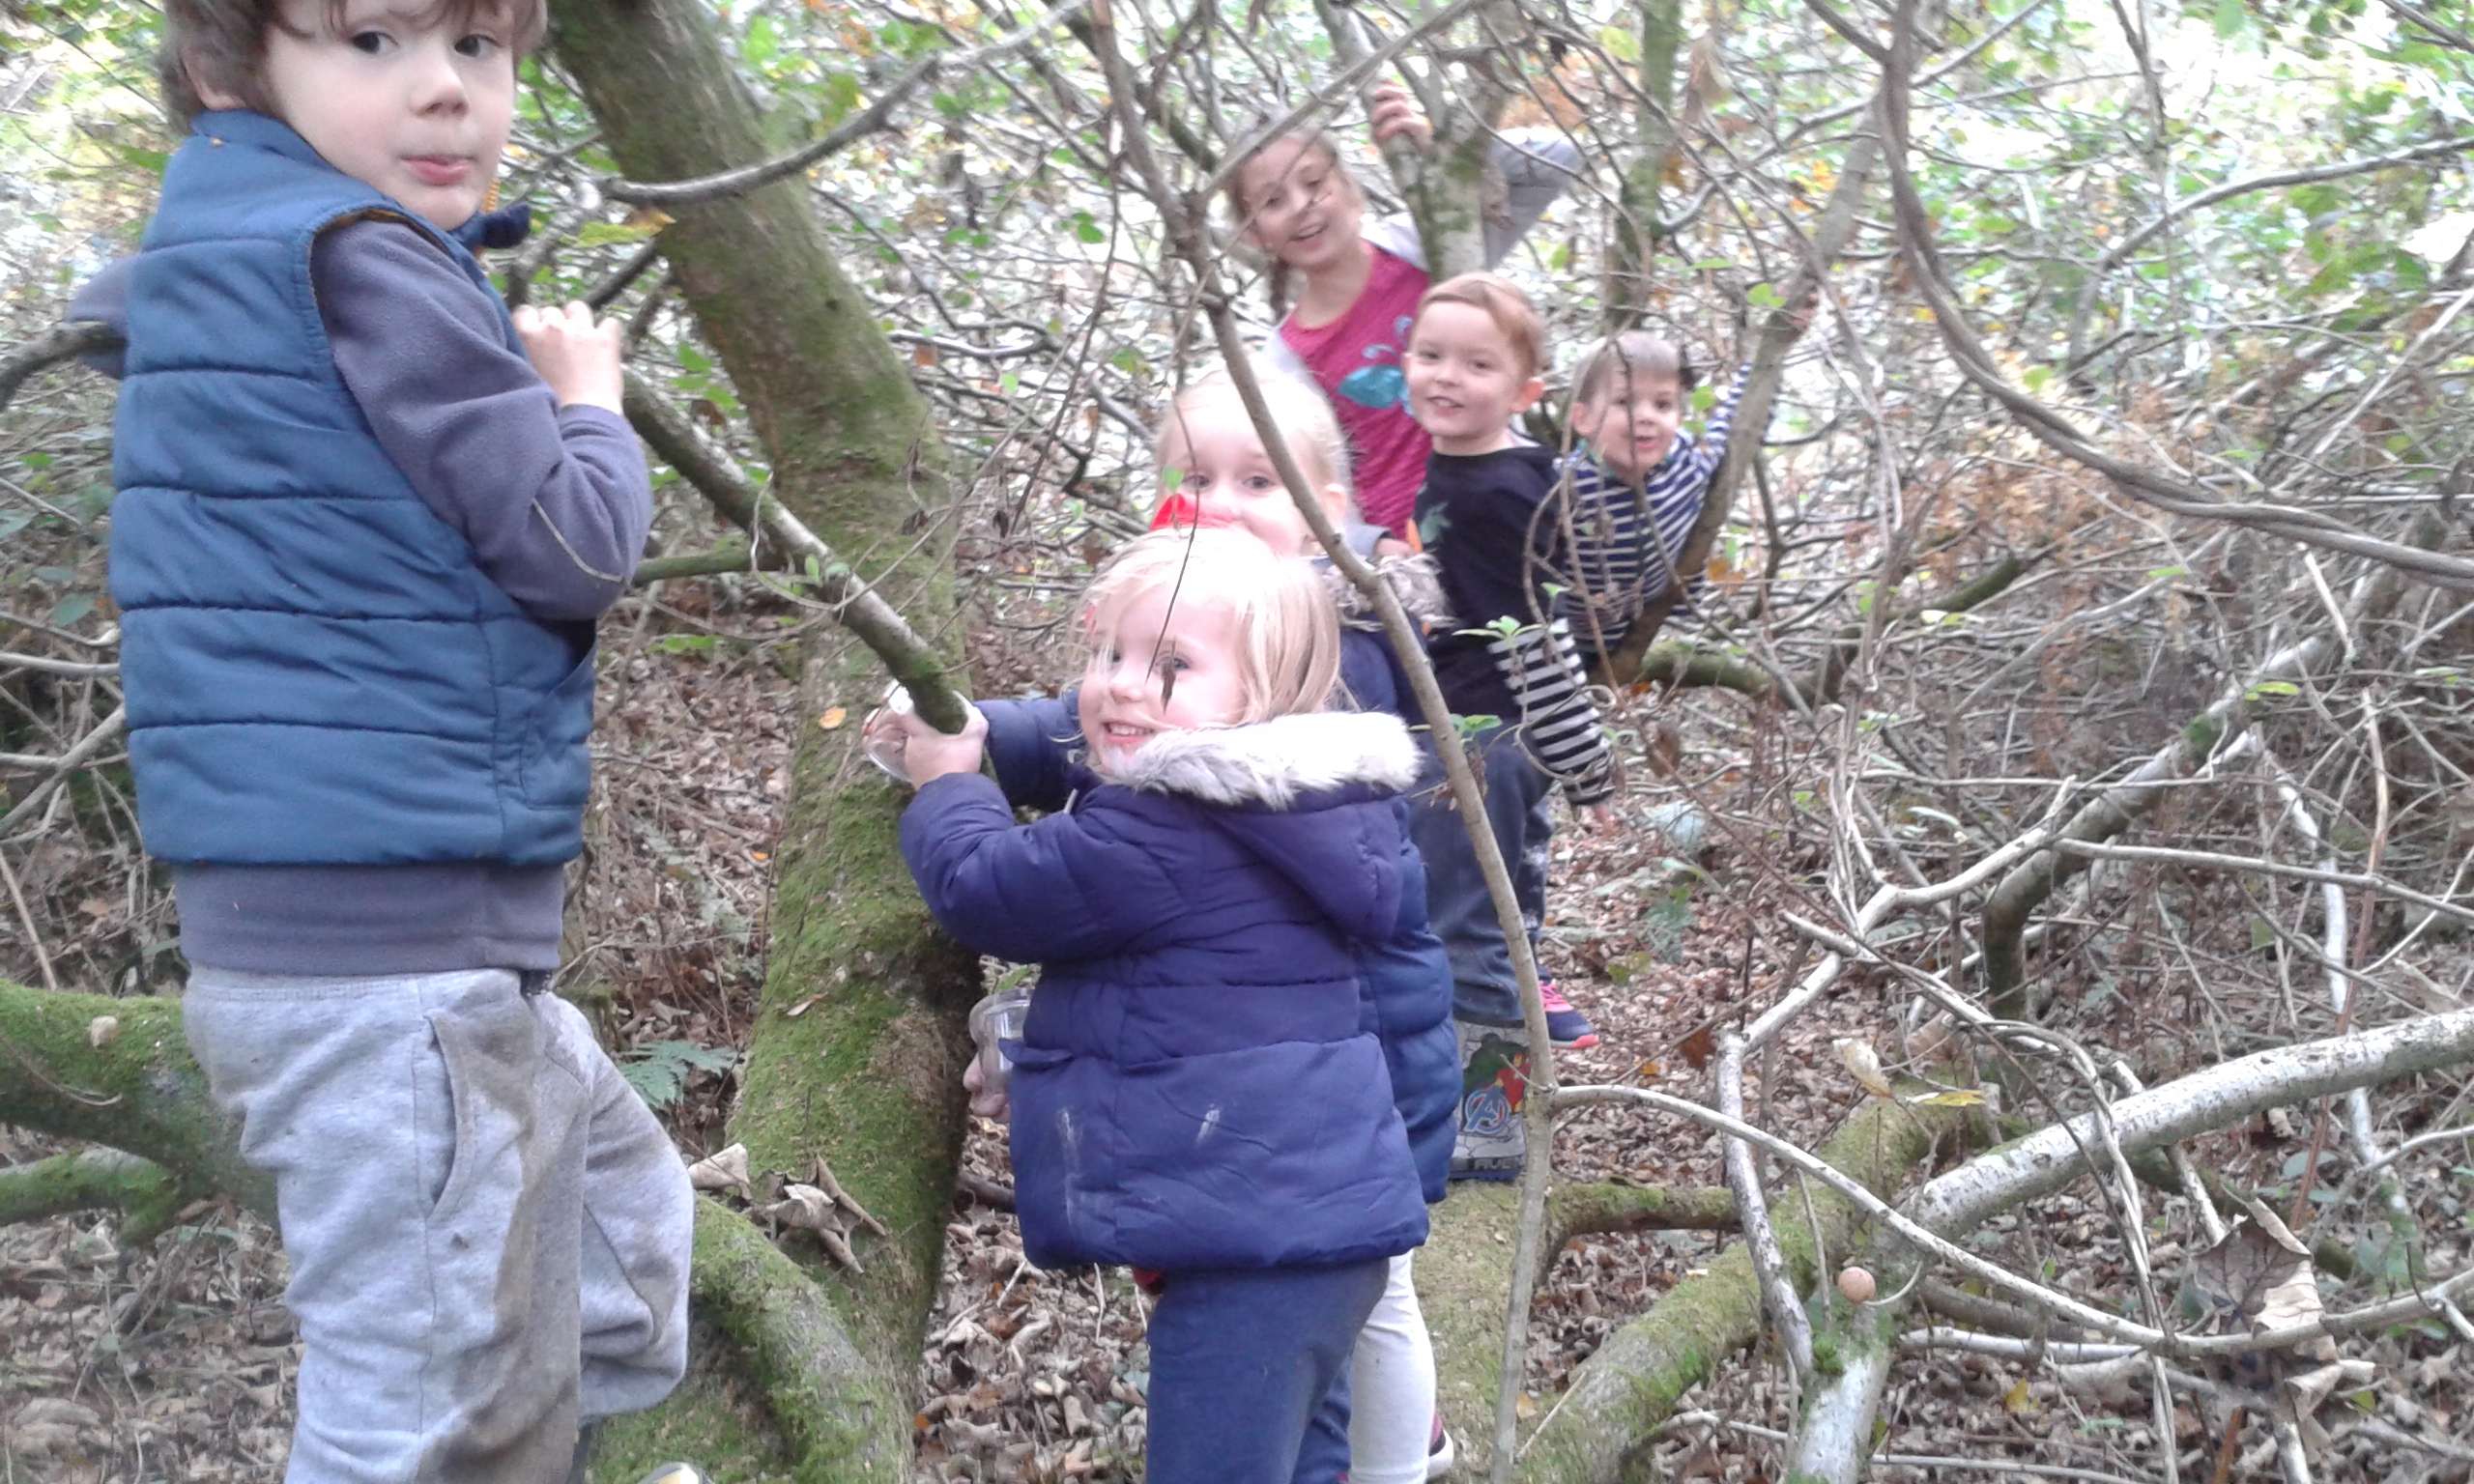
[1414, 579]
[1275, 763]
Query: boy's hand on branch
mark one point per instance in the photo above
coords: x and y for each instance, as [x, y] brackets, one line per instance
[929, 755]
[579, 358]
[1397, 115]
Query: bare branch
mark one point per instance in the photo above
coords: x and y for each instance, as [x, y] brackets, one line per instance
[874, 118]
[75, 338]
[854, 604]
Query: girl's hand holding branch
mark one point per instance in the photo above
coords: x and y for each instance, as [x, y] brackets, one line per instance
[1396, 113]
[927, 754]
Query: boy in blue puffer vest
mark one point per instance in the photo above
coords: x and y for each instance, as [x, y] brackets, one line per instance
[365, 524]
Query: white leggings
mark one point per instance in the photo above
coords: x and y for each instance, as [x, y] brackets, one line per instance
[1392, 1389]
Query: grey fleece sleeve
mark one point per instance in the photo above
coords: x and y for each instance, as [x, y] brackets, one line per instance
[555, 500]
[1537, 166]
[104, 299]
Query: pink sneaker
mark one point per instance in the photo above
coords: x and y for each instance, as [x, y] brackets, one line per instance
[1567, 1028]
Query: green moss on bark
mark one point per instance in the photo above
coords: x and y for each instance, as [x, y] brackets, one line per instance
[1597, 1433]
[138, 1091]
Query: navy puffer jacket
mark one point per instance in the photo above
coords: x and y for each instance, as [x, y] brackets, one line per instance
[1196, 1087]
[1406, 979]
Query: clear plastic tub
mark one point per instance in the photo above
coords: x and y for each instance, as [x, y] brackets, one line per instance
[995, 1020]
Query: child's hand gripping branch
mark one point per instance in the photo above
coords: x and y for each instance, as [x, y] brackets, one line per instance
[927, 754]
[579, 358]
[1397, 115]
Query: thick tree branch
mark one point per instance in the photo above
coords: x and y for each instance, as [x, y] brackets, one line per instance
[129, 1085]
[71, 340]
[1602, 1429]
[833, 1405]
[146, 1196]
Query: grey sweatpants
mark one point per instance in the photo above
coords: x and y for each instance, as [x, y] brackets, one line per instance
[488, 1231]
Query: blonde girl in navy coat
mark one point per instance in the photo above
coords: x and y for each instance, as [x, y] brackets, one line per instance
[1197, 1092]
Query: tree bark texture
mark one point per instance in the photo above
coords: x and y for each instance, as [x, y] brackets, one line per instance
[868, 1077]
[135, 1088]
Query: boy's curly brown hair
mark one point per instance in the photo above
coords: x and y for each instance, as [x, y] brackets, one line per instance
[221, 45]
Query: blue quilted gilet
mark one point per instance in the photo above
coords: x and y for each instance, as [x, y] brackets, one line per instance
[317, 671]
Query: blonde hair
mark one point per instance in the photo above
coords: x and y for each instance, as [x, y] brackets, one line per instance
[1303, 414]
[1501, 301]
[1289, 631]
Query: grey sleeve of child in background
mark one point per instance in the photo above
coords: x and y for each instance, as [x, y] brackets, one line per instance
[555, 500]
[1537, 167]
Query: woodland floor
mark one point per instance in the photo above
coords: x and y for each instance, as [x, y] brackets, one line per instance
[175, 1363]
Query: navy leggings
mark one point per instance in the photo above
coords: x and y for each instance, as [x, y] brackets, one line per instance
[1249, 1372]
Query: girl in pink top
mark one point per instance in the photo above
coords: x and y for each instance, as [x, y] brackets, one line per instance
[1357, 283]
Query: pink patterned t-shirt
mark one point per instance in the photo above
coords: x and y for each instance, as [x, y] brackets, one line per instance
[1356, 359]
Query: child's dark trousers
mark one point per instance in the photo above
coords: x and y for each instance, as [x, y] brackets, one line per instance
[1248, 1372]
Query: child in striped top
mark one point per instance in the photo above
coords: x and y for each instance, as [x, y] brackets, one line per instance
[1636, 485]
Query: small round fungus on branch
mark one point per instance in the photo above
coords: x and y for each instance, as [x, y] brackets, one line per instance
[1857, 1284]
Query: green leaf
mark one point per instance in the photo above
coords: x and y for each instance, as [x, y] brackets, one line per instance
[658, 1070]
[2231, 20]
[2264, 933]
[70, 609]
[1620, 43]
[601, 234]
[2272, 688]
[763, 41]
[1955, 1097]
[1762, 296]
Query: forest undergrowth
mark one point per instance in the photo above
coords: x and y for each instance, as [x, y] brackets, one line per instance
[1924, 632]
[173, 1361]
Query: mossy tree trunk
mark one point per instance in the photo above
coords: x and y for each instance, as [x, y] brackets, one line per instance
[1641, 206]
[868, 1075]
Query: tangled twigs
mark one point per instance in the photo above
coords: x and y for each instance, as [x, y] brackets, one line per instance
[853, 603]
[87, 748]
[877, 115]
[2173, 496]
[2200, 745]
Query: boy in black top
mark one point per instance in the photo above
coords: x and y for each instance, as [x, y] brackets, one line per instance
[1476, 350]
